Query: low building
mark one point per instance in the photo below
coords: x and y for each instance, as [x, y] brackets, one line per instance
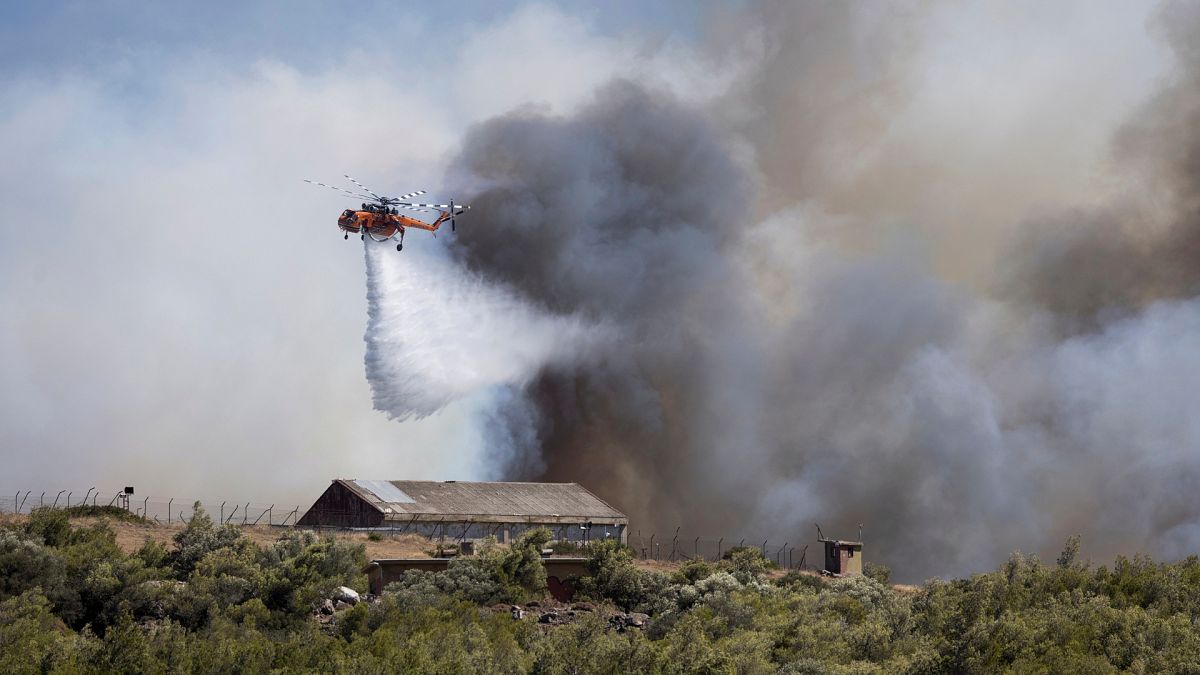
[842, 558]
[466, 510]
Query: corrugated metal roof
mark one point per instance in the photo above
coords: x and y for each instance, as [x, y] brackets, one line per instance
[385, 491]
[467, 499]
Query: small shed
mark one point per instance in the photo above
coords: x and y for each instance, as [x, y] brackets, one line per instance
[466, 510]
[842, 557]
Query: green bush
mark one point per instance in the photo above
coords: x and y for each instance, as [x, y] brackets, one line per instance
[71, 601]
[113, 512]
[878, 572]
[746, 563]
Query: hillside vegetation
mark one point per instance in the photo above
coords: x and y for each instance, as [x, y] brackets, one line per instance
[215, 601]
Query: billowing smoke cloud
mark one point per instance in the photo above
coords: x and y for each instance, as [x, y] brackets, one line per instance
[769, 376]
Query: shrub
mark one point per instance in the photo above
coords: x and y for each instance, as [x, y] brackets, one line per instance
[878, 572]
[692, 571]
[114, 512]
[612, 576]
[27, 564]
[746, 563]
[198, 539]
[521, 565]
[52, 526]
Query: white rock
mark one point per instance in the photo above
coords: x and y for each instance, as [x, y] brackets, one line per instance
[346, 594]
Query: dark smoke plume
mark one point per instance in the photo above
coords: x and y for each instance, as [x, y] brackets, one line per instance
[764, 378]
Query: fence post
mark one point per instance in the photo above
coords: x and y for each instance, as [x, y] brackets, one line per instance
[146, 507]
[42, 499]
[245, 513]
[233, 513]
[69, 499]
[696, 548]
[222, 512]
[268, 512]
[169, 509]
[16, 498]
[89, 494]
[719, 542]
[764, 548]
[55, 504]
[95, 497]
[652, 536]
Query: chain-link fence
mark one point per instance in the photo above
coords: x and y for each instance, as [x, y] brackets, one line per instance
[169, 510]
[675, 547]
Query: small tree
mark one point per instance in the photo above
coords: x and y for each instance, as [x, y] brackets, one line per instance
[1070, 552]
[877, 571]
[522, 564]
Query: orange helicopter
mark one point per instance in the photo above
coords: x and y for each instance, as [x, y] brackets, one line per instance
[380, 217]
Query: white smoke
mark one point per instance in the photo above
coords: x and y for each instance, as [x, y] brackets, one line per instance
[437, 333]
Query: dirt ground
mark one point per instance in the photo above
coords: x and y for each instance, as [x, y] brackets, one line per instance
[131, 536]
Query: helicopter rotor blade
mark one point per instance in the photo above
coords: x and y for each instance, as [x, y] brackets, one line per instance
[343, 191]
[364, 187]
[411, 195]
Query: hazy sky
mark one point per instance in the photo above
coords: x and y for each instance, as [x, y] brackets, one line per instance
[179, 312]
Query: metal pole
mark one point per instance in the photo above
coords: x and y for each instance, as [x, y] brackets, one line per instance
[245, 513]
[56, 498]
[764, 548]
[95, 497]
[696, 548]
[169, 509]
[42, 499]
[652, 536]
[719, 542]
[69, 499]
[268, 511]
[89, 494]
[16, 498]
[233, 513]
[674, 541]
[222, 512]
[146, 507]
[114, 499]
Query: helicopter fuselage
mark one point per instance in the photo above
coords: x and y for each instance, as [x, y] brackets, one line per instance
[381, 225]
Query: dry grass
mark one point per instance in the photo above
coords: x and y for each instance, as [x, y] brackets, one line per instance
[132, 535]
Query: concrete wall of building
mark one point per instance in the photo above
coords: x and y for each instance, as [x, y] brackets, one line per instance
[503, 532]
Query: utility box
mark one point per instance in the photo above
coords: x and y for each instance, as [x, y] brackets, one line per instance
[842, 558]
